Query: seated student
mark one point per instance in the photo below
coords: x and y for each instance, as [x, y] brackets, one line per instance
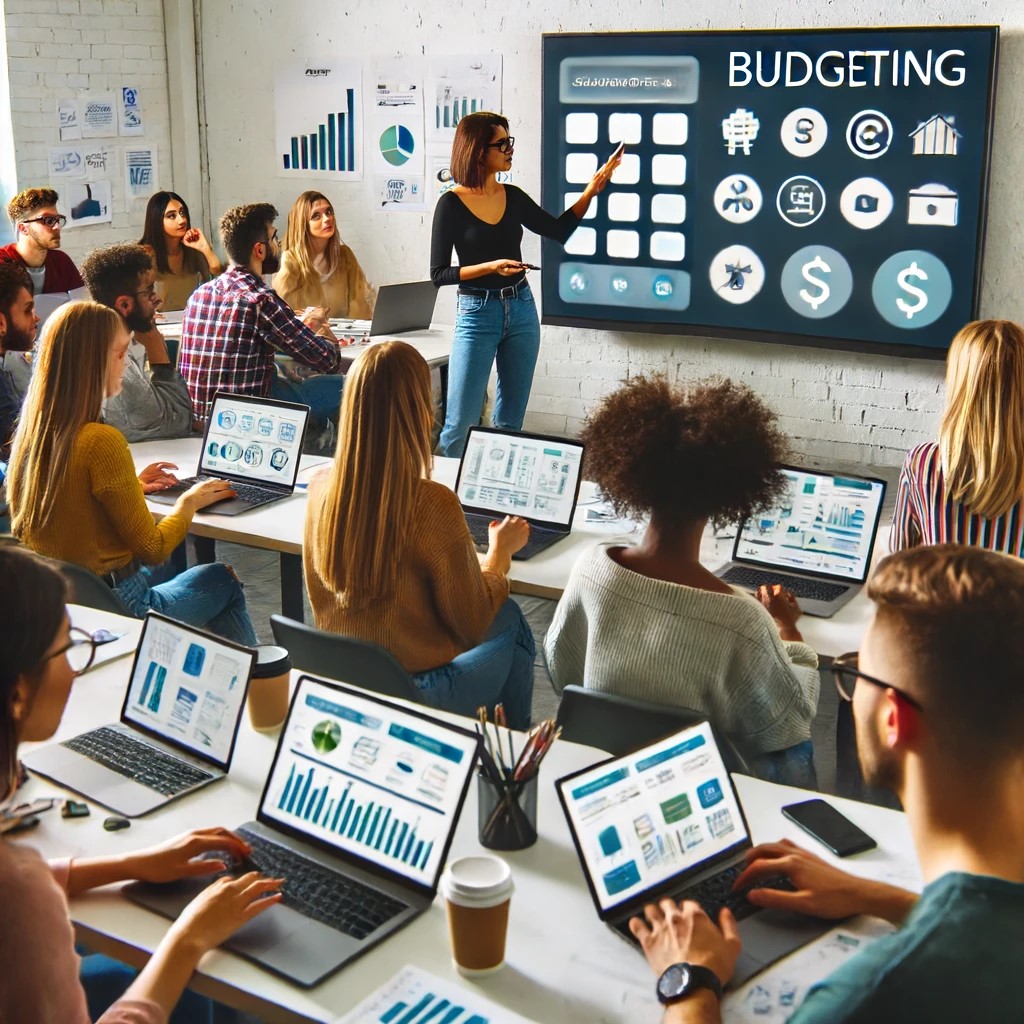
[650, 622]
[18, 323]
[37, 225]
[388, 556]
[40, 655]
[317, 268]
[968, 487]
[184, 258]
[73, 491]
[939, 712]
[149, 405]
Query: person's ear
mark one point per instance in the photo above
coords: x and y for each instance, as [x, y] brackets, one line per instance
[20, 701]
[901, 722]
[123, 304]
[3, 326]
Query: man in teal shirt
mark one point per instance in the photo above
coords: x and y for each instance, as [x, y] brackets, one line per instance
[939, 710]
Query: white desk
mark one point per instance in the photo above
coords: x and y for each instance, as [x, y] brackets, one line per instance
[562, 963]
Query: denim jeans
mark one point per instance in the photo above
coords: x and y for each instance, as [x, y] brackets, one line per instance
[206, 595]
[793, 766]
[322, 393]
[105, 981]
[490, 329]
[497, 671]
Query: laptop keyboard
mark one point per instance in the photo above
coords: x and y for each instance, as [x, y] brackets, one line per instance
[247, 492]
[717, 892]
[539, 539]
[321, 893]
[137, 761]
[816, 590]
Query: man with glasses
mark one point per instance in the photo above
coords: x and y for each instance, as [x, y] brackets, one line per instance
[37, 225]
[939, 711]
[153, 404]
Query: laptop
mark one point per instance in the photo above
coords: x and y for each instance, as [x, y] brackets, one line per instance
[817, 541]
[256, 443]
[397, 309]
[357, 816]
[178, 727]
[665, 821]
[511, 473]
[47, 303]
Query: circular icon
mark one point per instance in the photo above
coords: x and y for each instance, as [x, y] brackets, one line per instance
[226, 419]
[231, 450]
[869, 134]
[737, 274]
[326, 736]
[265, 426]
[662, 287]
[817, 281]
[579, 283]
[803, 131]
[866, 203]
[253, 455]
[397, 144]
[738, 198]
[245, 423]
[619, 285]
[278, 458]
[912, 289]
[801, 201]
[213, 449]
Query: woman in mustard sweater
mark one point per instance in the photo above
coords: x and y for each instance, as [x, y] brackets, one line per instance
[388, 556]
[73, 491]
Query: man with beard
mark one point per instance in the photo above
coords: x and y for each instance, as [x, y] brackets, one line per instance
[939, 712]
[235, 323]
[37, 226]
[18, 323]
[154, 404]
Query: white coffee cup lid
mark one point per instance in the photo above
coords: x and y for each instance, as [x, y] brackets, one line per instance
[478, 881]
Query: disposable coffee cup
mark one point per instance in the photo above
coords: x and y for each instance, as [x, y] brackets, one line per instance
[268, 688]
[478, 891]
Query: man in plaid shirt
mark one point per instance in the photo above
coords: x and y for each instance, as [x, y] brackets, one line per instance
[235, 323]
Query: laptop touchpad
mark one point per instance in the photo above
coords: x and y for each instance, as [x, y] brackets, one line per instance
[272, 928]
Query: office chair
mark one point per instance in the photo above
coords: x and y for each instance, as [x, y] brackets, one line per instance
[85, 587]
[334, 656]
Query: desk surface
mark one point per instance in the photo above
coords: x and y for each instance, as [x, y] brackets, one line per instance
[554, 936]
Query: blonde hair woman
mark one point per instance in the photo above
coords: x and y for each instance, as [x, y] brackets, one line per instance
[73, 492]
[388, 556]
[317, 269]
[968, 487]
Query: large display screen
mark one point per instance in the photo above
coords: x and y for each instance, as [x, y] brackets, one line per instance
[819, 187]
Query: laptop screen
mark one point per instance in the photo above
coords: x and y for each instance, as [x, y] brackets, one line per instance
[370, 779]
[824, 524]
[188, 688]
[403, 307]
[641, 819]
[516, 474]
[256, 439]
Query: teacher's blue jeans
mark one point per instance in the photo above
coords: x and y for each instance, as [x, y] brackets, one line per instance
[488, 330]
[497, 671]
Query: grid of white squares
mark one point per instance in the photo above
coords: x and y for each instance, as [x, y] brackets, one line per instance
[570, 200]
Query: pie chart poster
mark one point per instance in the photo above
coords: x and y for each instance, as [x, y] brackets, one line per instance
[396, 136]
[833, 184]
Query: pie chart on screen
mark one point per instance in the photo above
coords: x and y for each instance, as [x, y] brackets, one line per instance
[396, 144]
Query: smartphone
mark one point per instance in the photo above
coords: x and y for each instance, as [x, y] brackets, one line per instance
[530, 266]
[619, 150]
[829, 827]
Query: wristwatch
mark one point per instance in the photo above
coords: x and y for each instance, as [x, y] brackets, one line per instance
[683, 979]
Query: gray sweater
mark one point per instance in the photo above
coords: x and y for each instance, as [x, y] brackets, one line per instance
[151, 405]
[720, 654]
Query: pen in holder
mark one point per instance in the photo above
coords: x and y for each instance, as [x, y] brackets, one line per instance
[508, 812]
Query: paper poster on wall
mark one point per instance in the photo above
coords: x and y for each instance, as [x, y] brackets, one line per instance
[97, 115]
[318, 122]
[460, 85]
[67, 162]
[68, 120]
[139, 171]
[86, 202]
[98, 161]
[441, 175]
[129, 115]
[396, 133]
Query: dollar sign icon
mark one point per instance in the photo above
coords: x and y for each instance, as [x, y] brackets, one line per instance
[804, 130]
[920, 296]
[814, 301]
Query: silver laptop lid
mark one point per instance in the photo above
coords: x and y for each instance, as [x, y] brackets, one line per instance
[403, 307]
[254, 440]
[188, 688]
[511, 473]
[369, 780]
[825, 525]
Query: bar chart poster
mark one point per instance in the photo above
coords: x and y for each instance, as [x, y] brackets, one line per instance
[460, 85]
[413, 996]
[318, 124]
[396, 133]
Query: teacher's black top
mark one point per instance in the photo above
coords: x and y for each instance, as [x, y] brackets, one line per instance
[475, 241]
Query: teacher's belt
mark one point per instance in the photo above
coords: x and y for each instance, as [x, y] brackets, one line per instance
[126, 572]
[508, 292]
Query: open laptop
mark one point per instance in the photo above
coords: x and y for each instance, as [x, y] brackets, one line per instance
[665, 821]
[47, 303]
[357, 816]
[511, 473]
[178, 724]
[817, 541]
[397, 309]
[256, 443]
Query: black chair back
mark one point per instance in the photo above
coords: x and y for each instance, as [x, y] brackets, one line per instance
[85, 587]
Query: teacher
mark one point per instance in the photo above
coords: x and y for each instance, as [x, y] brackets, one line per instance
[483, 221]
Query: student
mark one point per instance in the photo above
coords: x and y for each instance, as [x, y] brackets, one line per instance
[37, 225]
[74, 495]
[483, 221]
[968, 487]
[184, 258]
[388, 556]
[317, 268]
[939, 712]
[150, 405]
[650, 622]
[40, 656]
[18, 323]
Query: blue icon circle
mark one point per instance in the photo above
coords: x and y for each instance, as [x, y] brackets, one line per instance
[663, 287]
[619, 284]
[817, 281]
[912, 289]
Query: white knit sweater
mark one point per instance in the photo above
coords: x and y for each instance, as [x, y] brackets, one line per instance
[720, 654]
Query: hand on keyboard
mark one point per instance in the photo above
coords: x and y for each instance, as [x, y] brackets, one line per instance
[155, 477]
[192, 854]
[207, 492]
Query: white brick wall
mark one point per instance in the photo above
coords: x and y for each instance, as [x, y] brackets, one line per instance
[62, 47]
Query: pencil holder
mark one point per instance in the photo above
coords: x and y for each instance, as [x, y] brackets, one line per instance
[507, 812]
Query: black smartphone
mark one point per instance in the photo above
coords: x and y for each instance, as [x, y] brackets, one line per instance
[829, 827]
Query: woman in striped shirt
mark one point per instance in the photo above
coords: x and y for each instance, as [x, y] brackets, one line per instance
[968, 487]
